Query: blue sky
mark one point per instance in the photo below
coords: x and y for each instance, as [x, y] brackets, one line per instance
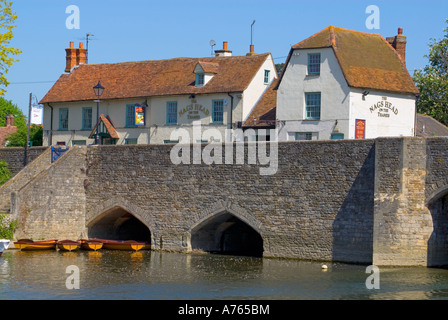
[135, 30]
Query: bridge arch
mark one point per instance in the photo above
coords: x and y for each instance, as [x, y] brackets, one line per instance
[437, 204]
[227, 231]
[117, 219]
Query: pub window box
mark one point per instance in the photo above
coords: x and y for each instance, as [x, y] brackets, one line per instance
[130, 141]
[170, 141]
[79, 142]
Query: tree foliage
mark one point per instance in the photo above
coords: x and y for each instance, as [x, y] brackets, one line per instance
[17, 139]
[432, 81]
[7, 19]
[5, 174]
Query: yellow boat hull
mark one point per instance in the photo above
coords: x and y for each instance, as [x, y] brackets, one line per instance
[92, 246]
[37, 245]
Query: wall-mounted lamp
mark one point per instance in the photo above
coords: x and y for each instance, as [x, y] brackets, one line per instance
[365, 93]
[192, 96]
[336, 128]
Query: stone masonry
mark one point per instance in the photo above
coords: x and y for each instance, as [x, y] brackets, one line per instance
[380, 201]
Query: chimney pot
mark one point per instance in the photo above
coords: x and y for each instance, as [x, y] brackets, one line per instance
[81, 55]
[252, 51]
[10, 120]
[399, 42]
[72, 45]
[224, 52]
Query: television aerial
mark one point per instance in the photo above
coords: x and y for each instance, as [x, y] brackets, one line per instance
[87, 39]
[212, 44]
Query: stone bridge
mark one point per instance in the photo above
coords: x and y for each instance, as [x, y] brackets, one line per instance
[381, 201]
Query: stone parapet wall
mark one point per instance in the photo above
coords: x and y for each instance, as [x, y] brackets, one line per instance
[52, 204]
[377, 201]
[15, 156]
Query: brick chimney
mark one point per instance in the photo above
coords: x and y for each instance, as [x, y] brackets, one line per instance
[251, 52]
[10, 120]
[224, 52]
[75, 57]
[9, 129]
[399, 44]
[81, 55]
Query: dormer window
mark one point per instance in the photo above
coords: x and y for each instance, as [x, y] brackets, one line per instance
[200, 77]
[204, 72]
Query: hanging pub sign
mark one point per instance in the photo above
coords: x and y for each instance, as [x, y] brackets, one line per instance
[139, 115]
[360, 129]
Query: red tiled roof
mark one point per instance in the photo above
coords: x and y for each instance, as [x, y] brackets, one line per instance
[154, 78]
[109, 127]
[263, 114]
[209, 67]
[367, 60]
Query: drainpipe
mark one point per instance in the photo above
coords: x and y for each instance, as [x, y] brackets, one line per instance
[415, 116]
[230, 125]
[51, 126]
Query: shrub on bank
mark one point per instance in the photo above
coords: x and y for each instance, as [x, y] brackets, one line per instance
[4, 172]
[7, 226]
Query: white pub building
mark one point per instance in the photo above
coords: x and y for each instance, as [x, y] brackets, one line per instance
[147, 102]
[343, 84]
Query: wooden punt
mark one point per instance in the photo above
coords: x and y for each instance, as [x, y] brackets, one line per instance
[29, 245]
[127, 245]
[91, 245]
[68, 245]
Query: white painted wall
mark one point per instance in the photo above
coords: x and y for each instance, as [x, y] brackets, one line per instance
[257, 87]
[296, 82]
[339, 103]
[386, 114]
[156, 130]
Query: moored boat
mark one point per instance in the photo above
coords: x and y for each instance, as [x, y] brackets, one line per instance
[68, 245]
[4, 244]
[126, 245]
[28, 245]
[91, 244]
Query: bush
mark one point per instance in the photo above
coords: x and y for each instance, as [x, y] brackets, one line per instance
[7, 226]
[4, 172]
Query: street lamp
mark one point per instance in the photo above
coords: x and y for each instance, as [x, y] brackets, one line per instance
[98, 89]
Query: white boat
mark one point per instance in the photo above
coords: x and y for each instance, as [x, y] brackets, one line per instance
[4, 244]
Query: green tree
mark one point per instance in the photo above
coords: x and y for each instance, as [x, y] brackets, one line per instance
[17, 139]
[5, 174]
[7, 19]
[36, 135]
[432, 81]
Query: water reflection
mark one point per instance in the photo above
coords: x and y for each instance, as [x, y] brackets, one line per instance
[153, 275]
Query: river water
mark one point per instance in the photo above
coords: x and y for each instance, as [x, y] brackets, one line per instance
[113, 275]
